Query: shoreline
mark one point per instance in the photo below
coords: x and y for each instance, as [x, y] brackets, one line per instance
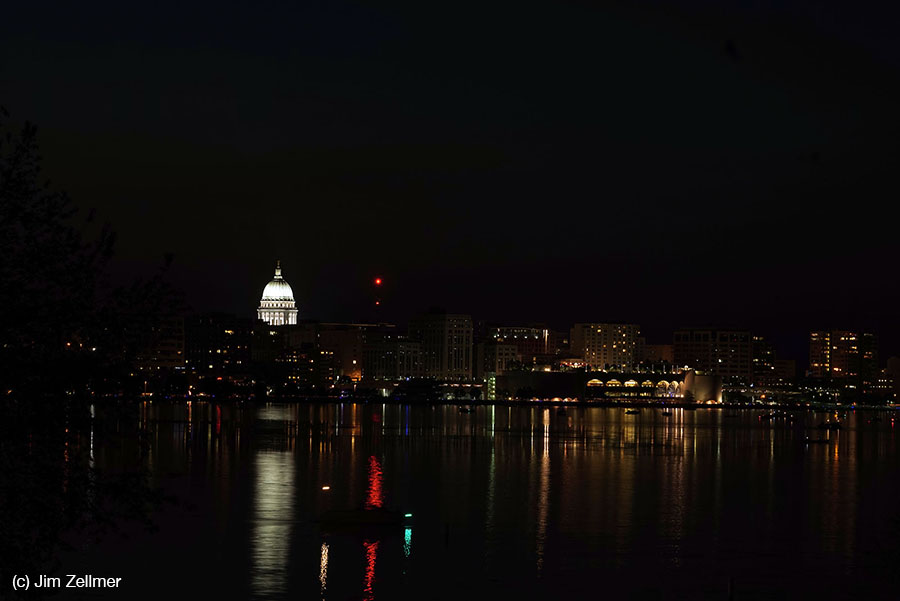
[621, 403]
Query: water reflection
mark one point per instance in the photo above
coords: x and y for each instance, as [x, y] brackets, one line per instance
[371, 548]
[375, 496]
[543, 492]
[527, 497]
[323, 569]
[272, 523]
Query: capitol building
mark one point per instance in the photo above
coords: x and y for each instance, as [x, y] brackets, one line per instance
[277, 306]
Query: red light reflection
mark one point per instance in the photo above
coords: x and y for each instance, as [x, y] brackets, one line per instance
[371, 555]
[375, 498]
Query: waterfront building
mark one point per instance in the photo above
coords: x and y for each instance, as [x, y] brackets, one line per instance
[446, 340]
[532, 344]
[277, 306]
[725, 353]
[389, 357]
[606, 386]
[304, 370]
[763, 363]
[218, 344]
[606, 345]
[849, 358]
[819, 354]
[495, 358]
[347, 341]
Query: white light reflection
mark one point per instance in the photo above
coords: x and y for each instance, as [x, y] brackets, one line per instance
[323, 569]
[544, 493]
[273, 510]
[491, 507]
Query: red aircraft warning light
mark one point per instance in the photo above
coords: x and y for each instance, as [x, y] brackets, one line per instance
[378, 281]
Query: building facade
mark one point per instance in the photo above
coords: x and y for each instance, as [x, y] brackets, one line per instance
[218, 344]
[846, 357]
[446, 340]
[532, 343]
[389, 357]
[611, 346]
[725, 353]
[494, 358]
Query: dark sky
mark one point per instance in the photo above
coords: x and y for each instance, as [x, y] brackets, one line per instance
[686, 163]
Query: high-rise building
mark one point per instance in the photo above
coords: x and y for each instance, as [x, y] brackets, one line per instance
[820, 354]
[606, 345]
[869, 371]
[277, 306]
[725, 353]
[446, 345]
[389, 357]
[763, 363]
[845, 356]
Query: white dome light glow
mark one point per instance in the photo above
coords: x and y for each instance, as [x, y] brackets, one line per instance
[277, 307]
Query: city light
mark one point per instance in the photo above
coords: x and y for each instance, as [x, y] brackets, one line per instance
[378, 281]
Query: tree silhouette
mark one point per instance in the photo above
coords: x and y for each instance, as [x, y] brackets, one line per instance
[64, 335]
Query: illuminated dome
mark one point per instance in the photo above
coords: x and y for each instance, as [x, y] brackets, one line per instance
[277, 306]
[278, 290]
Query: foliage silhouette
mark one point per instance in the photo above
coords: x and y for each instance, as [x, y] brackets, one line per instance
[66, 337]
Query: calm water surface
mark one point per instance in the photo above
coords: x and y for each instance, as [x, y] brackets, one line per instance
[509, 501]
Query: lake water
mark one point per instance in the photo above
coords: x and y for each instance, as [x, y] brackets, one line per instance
[513, 501]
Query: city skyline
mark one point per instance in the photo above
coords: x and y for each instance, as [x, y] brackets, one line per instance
[675, 165]
[797, 349]
[404, 300]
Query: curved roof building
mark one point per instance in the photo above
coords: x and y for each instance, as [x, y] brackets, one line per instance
[277, 306]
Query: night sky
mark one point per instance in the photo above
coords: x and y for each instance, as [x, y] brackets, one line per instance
[682, 164]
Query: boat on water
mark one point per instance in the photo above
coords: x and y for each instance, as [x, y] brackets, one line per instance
[632, 411]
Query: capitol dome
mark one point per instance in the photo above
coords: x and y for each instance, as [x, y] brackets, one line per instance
[277, 306]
